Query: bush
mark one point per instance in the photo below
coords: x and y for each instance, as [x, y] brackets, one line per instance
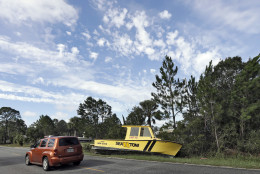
[86, 147]
[252, 145]
[19, 139]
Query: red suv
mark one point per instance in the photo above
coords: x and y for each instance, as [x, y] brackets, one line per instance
[54, 151]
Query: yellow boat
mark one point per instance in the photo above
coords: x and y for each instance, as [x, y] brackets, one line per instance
[139, 138]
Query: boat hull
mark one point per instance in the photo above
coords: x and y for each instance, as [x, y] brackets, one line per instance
[153, 146]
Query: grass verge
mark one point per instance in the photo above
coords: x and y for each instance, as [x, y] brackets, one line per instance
[15, 145]
[236, 162]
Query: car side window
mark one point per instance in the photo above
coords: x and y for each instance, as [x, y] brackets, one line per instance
[44, 142]
[51, 142]
[37, 143]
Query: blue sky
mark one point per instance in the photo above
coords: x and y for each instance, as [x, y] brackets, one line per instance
[54, 54]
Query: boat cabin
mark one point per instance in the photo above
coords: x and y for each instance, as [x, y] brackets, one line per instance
[139, 133]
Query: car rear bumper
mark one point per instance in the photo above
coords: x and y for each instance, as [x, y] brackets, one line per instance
[55, 161]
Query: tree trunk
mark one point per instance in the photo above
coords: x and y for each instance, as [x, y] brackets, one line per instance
[173, 117]
[216, 136]
[215, 128]
[5, 136]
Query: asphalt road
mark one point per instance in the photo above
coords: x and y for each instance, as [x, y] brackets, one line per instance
[12, 162]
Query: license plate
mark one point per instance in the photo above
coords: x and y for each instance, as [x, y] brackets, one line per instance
[70, 150]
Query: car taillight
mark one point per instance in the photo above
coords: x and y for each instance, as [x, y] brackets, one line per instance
[55, 151]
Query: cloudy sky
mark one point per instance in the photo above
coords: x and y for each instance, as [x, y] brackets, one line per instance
[54, 54]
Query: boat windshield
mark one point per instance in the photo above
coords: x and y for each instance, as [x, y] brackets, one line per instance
[145, 132]
[134, 131]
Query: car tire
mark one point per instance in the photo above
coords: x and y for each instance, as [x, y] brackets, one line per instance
[27, 160]
[77, 163]
[45, 164]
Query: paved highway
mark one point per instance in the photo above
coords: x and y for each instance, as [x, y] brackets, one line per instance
[12, 162]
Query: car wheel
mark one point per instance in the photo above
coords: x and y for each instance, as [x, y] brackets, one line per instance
[45, 164]
[77, 163]
[27, 160]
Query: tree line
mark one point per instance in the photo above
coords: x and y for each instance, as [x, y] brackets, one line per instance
[220, 111]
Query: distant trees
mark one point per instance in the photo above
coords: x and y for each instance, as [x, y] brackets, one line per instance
[8, 117]
[135, 117]
[147, 110]
[98, 119]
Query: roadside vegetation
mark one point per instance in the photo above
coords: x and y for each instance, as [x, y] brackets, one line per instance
[220, 111]
[236, 161]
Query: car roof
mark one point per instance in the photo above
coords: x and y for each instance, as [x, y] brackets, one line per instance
[58, 137]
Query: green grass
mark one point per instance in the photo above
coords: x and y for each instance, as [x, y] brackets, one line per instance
[236, 162]
[15, 145]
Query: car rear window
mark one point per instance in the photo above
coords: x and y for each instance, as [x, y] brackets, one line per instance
[68, 141]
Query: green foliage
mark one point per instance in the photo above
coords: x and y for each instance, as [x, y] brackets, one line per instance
[221, 111]
[86, 147]
[135, 117]
[76, 126]
[167, 89]
[148, 110]
[92, 111]
[19, 139]
[252, 145]
[61, 128]
[10, 121]
[97, 120]
[45, 125]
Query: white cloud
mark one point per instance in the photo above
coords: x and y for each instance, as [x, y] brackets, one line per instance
[39, 80]
[115, 17]
[18, 12]
[140, 21]
[152, 71]
[123, 44]
[242, 16]
[18, 92]
[61, 48]
[101, 42]
[18, 33]
[68, 33]
[159, 43]
[29, 114]
[60, 116]
[149, 51]
[75, 51]
[86, 34]
[108, 59]
[165, 14]
[202, 59]
[15, 68]
[38, 56]
[95, 32]
[171, 36]
[102, 5]
[93, 55]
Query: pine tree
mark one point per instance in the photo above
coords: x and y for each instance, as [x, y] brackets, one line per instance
[167, 89]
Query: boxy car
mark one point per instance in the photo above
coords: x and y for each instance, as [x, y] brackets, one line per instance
[55, 151]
